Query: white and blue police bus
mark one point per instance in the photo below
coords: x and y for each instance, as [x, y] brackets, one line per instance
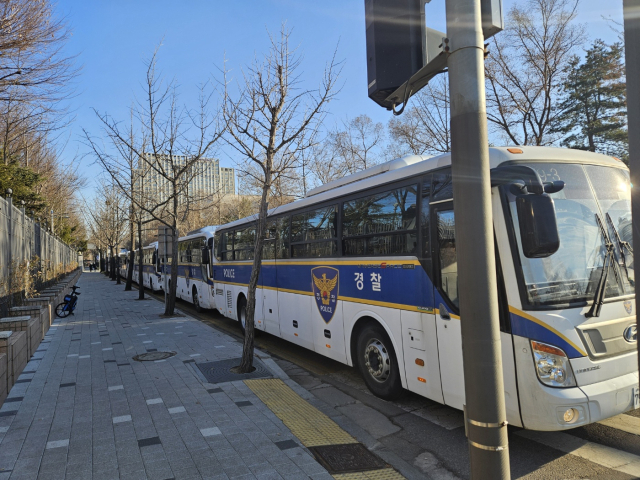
[123, 263]
[151, 277]
[195, 268]
[363, 270]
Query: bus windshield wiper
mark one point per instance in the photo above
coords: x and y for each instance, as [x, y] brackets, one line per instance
[598, 298]
[622, 246]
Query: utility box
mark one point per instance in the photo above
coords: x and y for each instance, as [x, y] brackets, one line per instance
[394, 45]
[165, 241]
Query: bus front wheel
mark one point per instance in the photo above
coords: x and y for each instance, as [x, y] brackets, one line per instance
[378, 364]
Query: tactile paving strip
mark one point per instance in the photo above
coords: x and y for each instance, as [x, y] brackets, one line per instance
[219, 372]
[310, 425]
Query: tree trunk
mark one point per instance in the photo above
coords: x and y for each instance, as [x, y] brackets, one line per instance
[140, 263]
[171, 297]
[131, 260]
[246, 365]
[112, 267]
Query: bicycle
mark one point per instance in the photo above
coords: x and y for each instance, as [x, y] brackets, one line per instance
[67, 307]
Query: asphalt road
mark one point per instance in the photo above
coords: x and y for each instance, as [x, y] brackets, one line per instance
[431, 436]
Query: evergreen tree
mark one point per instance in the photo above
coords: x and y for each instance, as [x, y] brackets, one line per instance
[593, 112]
[24, 182]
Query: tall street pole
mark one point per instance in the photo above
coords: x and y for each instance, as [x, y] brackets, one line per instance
[631, 10]
[485, 414]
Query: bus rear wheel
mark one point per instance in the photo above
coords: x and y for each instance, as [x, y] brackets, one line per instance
[378, 363]
[196, 300]
[242, 314]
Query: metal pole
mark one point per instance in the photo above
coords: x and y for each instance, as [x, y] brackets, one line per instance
[485, 413]
[164, 264]
[53, 232]
[631, 10]
[10, 235]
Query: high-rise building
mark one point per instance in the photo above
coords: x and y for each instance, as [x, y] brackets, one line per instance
[206, 178]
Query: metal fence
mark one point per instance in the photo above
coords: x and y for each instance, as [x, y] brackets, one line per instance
[30, 257]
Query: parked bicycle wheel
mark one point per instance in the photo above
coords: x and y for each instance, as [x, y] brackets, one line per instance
[61, 311]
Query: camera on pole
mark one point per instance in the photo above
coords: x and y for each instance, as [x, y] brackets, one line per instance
[403, 54]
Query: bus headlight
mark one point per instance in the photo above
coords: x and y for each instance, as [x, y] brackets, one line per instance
[552, 365]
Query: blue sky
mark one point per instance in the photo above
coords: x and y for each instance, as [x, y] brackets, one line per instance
[113, 38]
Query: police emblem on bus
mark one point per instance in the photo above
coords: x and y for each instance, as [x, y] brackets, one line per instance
[628, 306]
[324, 282]
[631, 333]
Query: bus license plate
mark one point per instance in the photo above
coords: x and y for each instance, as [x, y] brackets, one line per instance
[635, 393]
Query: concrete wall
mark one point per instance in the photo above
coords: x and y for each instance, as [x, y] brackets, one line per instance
[21, 240]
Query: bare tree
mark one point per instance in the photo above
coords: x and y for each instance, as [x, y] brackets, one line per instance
[357, 143]
[171, 146]
[106, 218]
[31, 42]
[424, 128]
[527, 67]
[325, 165]
[266, 120]
[35, 74]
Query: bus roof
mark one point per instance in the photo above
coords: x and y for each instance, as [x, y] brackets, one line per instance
[206, 232]
[400, 168]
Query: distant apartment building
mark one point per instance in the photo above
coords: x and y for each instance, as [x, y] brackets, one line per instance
[206, 179]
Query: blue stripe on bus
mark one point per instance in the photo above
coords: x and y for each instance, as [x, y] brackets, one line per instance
[525, 327]
[189, 271]
[355, 280]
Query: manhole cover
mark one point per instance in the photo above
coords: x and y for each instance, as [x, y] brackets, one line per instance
[218, 372]
[153, 356]
[349, 457]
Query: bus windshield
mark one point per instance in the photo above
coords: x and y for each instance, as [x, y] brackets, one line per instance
[571, 275]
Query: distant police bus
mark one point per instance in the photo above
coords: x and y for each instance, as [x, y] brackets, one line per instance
[364, 271]
[151, 277]
[195, 274]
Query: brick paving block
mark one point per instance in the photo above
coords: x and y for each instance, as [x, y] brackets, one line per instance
[130, 431]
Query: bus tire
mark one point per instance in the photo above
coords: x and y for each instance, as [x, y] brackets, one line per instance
[242, 313]
[378, 362]
[196, 300]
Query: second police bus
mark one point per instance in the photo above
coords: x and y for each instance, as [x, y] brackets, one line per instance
[364, 271]
[195, 274]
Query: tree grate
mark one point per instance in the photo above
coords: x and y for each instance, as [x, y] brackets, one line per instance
[220, 371]
[346, 458]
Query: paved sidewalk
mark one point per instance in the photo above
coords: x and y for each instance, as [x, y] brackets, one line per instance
[83, 408]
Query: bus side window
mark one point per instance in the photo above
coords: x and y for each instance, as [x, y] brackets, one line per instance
[442, 186]
[425, 231]
[269, 246]
[282, 238]
[447, 255]
[226, 246]
[244, 243]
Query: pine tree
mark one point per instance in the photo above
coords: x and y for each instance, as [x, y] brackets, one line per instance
[593, 112]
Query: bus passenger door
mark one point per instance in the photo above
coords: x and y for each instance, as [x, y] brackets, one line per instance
[446, 304]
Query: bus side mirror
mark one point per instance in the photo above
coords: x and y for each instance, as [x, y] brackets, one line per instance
[206, 258]
[538, 226]
[154, 259]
